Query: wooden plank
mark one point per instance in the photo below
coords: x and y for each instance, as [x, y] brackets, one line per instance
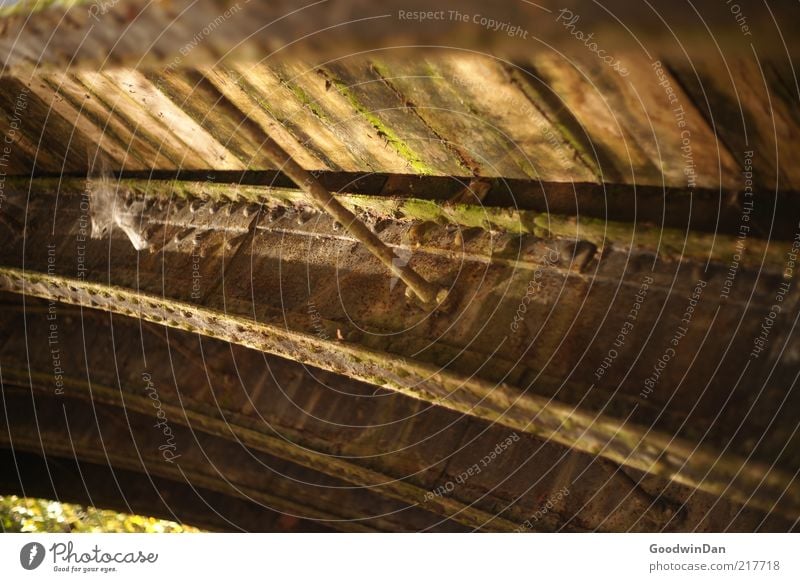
[210, 109]
[441, 104]
[571, 98]
[19, 157]
[86, 484]
[149, 34]
[177, 122]
[254, 107]
[342, 114]
[390, 113]
[750, 116]
[622, 442]
[534, 144]
[291, 259]
[275, 97]
[114, 149]
[122, 106]
[97, 434]
[330, 422]
[185, 373]
[642, 104]
[58, 146]
[141, 151]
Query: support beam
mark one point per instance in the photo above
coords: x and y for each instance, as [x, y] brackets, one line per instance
[621, 442]
[297, 452]
[80, 34]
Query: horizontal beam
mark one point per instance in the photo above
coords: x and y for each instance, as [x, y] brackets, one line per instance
[83, 34]
[668, 243]
[548, 210]
[297, 452]
[621, 442]
[53, 442]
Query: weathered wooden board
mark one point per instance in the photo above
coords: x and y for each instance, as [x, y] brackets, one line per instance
[450, 114]
[344, 117]
[447, 110]
[393, 115]
[584, 110]
[257, 109]
[208, 151]
[751, 114]
[97, 434]
[664, 120]
[486, 88]
[142, 150]
[75, 111]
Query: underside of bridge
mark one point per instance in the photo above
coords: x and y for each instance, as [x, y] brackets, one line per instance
[271, 268]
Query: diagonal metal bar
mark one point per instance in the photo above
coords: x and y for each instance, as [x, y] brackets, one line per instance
[425, 290]
[703, 467]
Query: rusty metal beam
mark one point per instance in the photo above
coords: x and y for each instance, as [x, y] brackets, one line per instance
[637, 447]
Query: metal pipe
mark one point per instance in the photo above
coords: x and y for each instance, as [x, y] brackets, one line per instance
[425, 290]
